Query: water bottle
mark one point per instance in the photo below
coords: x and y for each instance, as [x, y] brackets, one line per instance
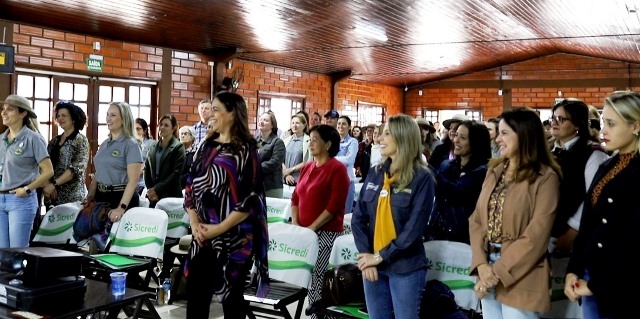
[166, 286]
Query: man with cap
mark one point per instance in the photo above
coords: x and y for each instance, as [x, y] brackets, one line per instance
[24, 166]
[444, 151]
[331, 118]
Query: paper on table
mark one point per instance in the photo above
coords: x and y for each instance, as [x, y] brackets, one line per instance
[116, 261]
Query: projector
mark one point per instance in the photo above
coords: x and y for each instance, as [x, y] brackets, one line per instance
[40, 263]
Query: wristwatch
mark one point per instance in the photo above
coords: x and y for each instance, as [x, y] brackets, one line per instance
[377, 257]
[26, 189]
[123, 206]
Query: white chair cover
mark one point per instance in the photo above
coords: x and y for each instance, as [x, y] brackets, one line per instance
[57, 224]
[450, 262]
[346, 223]
[278, 210]
[287, 191]
[140, 232]
[293, 251]
[178, 217]
[343, 251]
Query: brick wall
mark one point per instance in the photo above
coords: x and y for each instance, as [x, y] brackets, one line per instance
[534, 83]
[190, 84]
[43, 48]
[68, 52]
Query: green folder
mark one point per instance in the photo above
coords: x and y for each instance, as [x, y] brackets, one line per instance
[116, 261]
[351, 310]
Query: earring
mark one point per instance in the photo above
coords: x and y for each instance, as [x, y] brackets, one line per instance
[635, 133]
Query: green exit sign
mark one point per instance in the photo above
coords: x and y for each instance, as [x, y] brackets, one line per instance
[94, 63]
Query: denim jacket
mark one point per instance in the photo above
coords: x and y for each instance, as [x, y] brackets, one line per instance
[410, 208]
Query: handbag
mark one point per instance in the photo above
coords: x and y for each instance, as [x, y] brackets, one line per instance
[342, 285]
[91, 220]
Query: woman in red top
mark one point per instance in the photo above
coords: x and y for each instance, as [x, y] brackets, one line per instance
[318, 199]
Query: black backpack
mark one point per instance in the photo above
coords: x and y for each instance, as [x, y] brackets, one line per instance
[438, 302]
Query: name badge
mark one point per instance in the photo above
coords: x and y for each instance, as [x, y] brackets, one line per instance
[384, 193]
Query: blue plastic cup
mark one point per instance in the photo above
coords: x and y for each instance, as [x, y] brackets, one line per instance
[118, 283]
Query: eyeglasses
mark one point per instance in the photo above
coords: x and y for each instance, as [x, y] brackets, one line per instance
[558, 119]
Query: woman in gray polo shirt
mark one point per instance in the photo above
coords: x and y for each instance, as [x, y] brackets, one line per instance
[24, 166]
[118, 165]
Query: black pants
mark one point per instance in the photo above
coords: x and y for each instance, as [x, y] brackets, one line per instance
[200, 288]
[115, 197]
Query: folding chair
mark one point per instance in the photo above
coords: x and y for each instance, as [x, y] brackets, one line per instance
[143, 201]
[343, 251]
[278, 210]
[457, 258]
[139, 237]
[293, 251]
[178, 227]
[56, 229]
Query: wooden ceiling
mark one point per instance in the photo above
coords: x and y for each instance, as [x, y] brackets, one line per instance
[394, 42]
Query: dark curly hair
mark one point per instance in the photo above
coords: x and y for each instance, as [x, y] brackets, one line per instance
[78, 116]
[328, 134]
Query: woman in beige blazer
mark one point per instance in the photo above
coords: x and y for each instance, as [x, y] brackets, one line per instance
[511, 225]
[297, 145]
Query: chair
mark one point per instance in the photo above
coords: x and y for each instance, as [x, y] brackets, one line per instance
[449, 262]
[278, 210]
[139, 237]
[346, 223]
[56, 229]
[143, 201]
[287, 191]
[561, 306]
[178, 226]
[293, 251]
[343, 251]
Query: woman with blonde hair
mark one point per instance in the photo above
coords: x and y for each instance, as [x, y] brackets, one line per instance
[611, 218]
[118, 164]
[390, 216]
[511, 225]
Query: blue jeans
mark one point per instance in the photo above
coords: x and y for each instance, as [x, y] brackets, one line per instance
[494, 309]
[16, 219]
[590, 308]
[395, 293]
[348, 206]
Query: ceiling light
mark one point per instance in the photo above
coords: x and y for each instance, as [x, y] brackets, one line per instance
[420, 92]
[500, 92]
[406, 88]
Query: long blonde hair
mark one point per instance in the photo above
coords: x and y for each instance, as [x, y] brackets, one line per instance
[128, 124]
[406, 133]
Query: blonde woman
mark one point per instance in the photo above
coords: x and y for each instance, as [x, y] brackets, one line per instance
[391, 215]
[609, 226]
[118, 163]
[297, 146]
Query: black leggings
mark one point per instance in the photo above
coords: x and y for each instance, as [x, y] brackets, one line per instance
[200, 288]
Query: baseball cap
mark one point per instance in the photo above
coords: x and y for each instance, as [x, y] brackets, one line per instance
[332, 114]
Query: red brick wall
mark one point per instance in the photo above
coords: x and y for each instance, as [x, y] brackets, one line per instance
[535, 84]
[190, 84]
[69, 52]
[315, 87]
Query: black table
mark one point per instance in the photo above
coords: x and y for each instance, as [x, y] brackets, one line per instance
[98, 298]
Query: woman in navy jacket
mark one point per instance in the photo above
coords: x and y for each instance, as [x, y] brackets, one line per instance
[391, 214]
[601, 269]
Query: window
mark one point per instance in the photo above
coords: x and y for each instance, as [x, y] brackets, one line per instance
[474, 115]
[284, 106]
[430, 115]
[370, 113]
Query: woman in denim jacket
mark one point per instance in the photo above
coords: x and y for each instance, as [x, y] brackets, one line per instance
[391, 214]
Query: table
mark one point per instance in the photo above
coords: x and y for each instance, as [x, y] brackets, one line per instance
[97, 298]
